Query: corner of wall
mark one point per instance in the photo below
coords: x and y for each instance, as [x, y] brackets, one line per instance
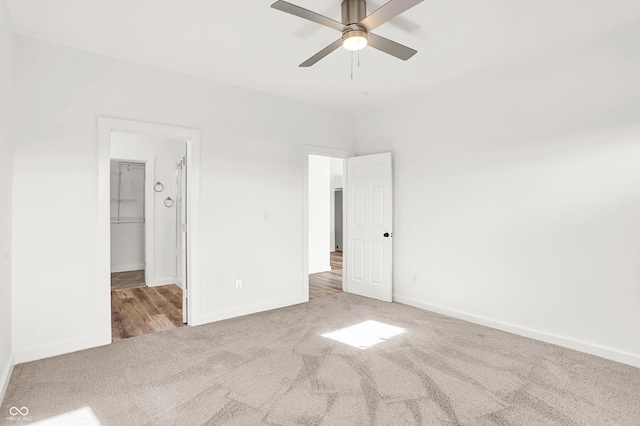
[5, 376]
[7, 359]
[316, 269]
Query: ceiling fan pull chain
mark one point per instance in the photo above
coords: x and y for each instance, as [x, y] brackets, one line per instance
[352, 65]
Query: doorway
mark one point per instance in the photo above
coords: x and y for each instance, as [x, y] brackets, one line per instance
[367, 222]
[148, 234]
[325, 224]
[108, 126]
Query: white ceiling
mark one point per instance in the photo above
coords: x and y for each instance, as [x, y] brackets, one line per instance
[246, 43]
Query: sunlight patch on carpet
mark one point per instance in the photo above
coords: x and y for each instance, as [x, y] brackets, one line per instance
[365, 334]
[82, 416]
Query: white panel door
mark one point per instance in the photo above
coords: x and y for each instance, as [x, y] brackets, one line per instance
[369, 226]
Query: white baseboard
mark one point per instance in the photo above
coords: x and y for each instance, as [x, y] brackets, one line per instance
[55, 349]
[162, 281]
[126, 268]
[601, 351]
[318, 269]
[6, 376]
[246, 310]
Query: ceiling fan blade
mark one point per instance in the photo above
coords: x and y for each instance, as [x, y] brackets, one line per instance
[405, 24]
[386, 12]
[321, 54]
[307, 14]
[391, 47]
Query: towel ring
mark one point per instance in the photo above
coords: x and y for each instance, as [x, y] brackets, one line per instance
[168, 202]
[158, 187]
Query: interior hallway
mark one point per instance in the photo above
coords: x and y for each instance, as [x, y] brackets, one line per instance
[327, 283]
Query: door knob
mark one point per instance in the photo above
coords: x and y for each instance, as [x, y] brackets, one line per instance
[386, 235]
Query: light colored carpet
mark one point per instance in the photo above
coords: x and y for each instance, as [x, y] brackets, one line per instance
[276, 368]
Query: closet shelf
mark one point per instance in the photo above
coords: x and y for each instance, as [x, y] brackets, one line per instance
[117, 221]
[130, 193]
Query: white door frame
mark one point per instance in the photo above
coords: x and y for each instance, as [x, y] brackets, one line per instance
[308, 150]
[105, 126]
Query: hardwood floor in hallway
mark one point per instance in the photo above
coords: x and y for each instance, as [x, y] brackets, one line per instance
[144, 310]
[327, 283]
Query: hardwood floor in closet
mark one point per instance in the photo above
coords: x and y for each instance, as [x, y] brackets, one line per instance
[327, 283]
[127, 279]
[144, 310]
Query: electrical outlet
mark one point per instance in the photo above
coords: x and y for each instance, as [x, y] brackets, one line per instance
[267, 215]
[238, 284]
[415, 278]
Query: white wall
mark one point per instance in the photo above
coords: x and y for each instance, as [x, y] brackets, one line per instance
[6, 78]
[251, 161]
[319, 213]
[166, 152]
[517, 197]
[336, 180]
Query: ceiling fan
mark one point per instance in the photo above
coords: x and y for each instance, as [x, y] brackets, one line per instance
[356, 27]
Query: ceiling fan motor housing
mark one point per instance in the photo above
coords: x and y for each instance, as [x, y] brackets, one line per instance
[353, 11]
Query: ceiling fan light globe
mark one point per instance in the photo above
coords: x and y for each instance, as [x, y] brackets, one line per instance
[354, 43]
[354, 39]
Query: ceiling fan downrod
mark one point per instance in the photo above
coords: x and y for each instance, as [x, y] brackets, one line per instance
[353, 11]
